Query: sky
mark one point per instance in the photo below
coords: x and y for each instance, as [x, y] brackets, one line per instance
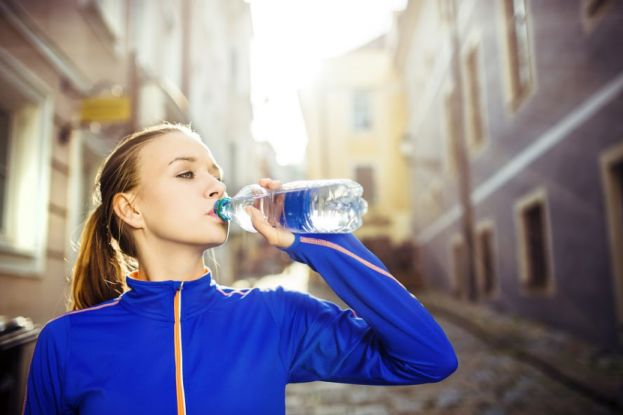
[291, 38]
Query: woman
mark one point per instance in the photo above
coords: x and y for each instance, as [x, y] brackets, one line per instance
[151, 332]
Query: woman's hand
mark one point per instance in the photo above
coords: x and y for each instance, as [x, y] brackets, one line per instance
[274, 235]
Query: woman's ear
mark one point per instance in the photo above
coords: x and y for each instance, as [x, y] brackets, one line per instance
[126, 211]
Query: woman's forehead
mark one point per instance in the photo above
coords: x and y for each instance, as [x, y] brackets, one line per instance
[169, 146]
[168, 150]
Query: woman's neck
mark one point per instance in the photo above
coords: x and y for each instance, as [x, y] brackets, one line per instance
[179, 266]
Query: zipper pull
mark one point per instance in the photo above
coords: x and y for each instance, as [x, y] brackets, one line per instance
[181, 286]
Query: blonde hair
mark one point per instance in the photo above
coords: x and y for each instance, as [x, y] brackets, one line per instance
[106, 252]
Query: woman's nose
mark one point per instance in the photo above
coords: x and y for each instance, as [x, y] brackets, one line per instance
[216, 189]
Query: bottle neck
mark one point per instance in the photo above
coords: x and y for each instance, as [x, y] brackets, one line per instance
[224, 209]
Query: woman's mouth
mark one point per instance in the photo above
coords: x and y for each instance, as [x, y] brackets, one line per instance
[213, 214]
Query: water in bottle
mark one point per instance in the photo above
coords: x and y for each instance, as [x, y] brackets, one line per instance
[304, 206]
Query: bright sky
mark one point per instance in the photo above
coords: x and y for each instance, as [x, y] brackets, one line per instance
[291, 37]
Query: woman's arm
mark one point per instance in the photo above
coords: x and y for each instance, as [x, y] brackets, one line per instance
[392, 340]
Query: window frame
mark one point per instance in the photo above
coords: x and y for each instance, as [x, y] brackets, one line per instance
[23, 247]
[537, 196]
[481, 227]
[474, 45]
[516, 98]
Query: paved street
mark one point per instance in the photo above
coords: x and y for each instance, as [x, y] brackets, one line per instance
[488, 382]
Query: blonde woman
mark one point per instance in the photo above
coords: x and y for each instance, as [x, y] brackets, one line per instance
[149, 331]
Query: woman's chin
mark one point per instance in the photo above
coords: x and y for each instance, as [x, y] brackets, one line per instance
[217, 241]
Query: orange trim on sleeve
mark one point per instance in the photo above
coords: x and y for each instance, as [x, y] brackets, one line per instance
[343, 250]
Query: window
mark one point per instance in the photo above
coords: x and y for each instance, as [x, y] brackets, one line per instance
[536, 260]
[362, 111]
[473, 103]
[485, 263]
[535, 245]
[518, 50]
[25, 134]
[364, 175]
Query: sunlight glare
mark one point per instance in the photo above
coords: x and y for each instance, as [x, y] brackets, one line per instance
[291, 39]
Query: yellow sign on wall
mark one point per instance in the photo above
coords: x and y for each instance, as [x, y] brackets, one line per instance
[105, 109]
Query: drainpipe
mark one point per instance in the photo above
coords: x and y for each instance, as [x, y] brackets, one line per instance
[464, 176]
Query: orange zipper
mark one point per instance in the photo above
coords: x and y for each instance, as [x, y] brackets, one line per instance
[179, 373]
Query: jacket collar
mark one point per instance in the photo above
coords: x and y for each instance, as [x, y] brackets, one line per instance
[154, 299]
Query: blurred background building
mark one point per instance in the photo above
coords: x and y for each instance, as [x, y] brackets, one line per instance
[354, 114]
[528, 94]
[459, 108]
[76, 77]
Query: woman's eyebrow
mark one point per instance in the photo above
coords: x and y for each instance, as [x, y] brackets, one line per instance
[214, 167]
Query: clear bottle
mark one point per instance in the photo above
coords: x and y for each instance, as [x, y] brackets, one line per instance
[304, 206]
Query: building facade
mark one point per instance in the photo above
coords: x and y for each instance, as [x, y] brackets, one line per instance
[180, 61]
[354, 116]
[538, 91]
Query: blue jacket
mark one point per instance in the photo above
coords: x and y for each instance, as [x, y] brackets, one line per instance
[197, 347]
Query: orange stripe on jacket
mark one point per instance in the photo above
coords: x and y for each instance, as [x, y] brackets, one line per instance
[178, 356]
[339, 248]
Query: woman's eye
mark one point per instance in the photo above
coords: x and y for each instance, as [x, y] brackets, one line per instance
[186, 175]
[190, 175]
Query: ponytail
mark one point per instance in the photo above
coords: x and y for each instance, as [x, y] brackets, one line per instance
[97, 275]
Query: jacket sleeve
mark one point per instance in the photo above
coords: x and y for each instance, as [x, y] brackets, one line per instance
[389, 338]
[44, 389]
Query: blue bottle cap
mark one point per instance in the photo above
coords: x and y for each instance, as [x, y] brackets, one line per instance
[219, 208]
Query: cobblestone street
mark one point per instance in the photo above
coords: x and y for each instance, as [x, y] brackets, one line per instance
[487, 382]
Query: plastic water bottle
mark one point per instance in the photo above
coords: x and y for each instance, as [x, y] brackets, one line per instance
[304, 206]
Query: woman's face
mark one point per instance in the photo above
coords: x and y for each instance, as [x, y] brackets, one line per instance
[179, 184]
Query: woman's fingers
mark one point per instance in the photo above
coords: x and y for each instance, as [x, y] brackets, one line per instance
[270, 183]
[261, 224]
[275, 236]
[257, 219]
